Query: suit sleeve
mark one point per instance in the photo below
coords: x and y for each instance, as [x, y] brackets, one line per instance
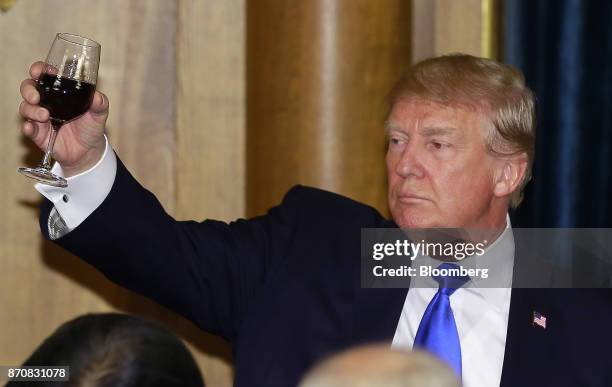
[210, 272]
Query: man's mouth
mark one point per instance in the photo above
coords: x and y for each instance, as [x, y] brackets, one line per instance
[408, 198]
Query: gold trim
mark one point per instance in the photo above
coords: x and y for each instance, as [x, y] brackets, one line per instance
[5, 5]
[489, 43]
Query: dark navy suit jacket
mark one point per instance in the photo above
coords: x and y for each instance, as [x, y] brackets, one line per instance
[284, 288]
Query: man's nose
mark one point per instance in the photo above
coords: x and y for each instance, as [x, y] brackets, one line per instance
[410, 164]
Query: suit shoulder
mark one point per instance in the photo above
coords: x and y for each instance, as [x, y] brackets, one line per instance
[322, 204]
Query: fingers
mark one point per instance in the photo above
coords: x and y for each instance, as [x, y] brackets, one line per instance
[36, 131]
[33, 112]
[36, 119]
[36, 69]
[28, 129]
[29, 92]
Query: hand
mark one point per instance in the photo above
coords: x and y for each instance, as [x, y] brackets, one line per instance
[80, 143]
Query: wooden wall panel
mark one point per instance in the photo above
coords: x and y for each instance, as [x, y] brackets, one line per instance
[210, 108]
[42, 286]
[139, 59]
[318, 74]
[450, 26]
[458, 26]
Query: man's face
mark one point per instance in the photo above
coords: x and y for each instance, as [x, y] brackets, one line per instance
[439, 171]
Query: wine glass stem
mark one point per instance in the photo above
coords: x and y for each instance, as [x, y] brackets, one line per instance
[46, 161]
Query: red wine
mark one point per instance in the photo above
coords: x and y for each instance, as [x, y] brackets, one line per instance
[66, 99]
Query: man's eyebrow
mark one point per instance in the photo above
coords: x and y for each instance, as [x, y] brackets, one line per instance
[438, 131]
[389, 126]
[427, 131]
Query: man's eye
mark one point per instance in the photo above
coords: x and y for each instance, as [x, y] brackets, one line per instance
[438, 145]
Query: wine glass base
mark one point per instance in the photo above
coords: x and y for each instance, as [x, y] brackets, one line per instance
[44, 176]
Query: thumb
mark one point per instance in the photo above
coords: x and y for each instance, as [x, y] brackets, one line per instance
[99, 105]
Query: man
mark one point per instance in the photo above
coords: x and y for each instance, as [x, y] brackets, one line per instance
[380, 366]
[284, 288]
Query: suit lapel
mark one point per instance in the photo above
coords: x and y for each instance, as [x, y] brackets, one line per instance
[377, 312]
[518, 323]
[528, 345]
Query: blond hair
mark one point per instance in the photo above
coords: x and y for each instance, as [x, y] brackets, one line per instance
[380, 366]
[496, 88]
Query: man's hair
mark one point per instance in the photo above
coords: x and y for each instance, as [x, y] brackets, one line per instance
[380, 366]
[111, 349]
[495, 88]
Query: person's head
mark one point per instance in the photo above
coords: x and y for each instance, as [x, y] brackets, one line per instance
[380, 366]
[117, 350]
[461, 135]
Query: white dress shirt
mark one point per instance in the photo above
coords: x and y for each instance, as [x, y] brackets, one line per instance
[85, 191]
[481, 313]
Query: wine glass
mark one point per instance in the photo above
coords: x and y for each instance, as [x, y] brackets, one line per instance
[66, 85]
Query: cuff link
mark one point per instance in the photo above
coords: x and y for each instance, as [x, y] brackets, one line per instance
[56, 226]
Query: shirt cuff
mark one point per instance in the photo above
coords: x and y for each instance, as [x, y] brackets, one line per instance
[85, 191]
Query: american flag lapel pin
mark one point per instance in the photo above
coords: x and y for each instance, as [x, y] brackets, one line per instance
[539, 319]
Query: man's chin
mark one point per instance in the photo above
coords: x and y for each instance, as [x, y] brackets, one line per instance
[416, 221]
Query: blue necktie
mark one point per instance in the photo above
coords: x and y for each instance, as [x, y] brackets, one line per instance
[437, 331]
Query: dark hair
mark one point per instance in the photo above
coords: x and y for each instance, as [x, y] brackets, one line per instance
[118, 350]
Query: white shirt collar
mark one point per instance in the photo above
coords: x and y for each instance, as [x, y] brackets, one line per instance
[498, 259]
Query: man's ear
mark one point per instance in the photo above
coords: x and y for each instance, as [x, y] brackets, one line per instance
[510, 173]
